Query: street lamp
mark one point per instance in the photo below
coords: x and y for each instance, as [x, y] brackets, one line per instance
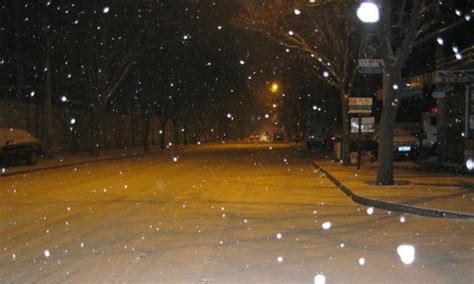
[368, 12]
[274, 88]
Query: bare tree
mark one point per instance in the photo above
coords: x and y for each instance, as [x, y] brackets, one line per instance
[110, 43]
[325, 33]
[404, 25]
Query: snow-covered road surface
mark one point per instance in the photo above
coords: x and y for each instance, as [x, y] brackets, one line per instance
[234, 213]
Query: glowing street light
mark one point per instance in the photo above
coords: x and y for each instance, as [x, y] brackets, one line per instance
[368, 12]
[274, 88]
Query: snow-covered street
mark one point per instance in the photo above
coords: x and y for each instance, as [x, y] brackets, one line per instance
[225, 213]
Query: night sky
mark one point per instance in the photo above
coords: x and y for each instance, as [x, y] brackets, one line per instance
[189, 57]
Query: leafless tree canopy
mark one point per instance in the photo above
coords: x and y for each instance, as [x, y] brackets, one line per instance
[324, 33]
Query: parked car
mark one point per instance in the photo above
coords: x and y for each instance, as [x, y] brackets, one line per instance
[430, 132]
[265, 137]
[405, 144]
[314, 142]
[278, 137]
[18, 145]
[254, 137]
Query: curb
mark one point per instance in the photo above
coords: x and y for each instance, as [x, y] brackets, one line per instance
[77, 164]
[393, 206]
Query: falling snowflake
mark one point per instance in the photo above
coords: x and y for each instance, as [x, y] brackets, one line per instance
[406, 253]
[46, 253]
[297, 11]
[319, 279]
[106, 10]
[370, 210]
[326, 225]
[280, 259]
[361, 261]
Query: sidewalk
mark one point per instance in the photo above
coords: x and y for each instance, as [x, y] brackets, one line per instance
[66, 159]
[417, 191]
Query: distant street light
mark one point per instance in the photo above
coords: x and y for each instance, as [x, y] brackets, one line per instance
[274, 88]
[368, 12]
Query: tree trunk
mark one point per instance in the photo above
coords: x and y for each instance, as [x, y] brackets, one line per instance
[20, 74]
[46, 124]
[93, 134]
[346, 129]
[163, 121]
[176, 136]
[387, 123]
[185, 137]
[146, 133]
[20, 69]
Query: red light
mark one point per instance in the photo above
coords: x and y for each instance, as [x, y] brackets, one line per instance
[434, 109]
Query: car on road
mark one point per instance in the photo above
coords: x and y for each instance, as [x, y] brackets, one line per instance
[18, 145]
[254, 137]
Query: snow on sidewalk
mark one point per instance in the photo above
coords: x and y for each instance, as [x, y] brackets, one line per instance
[414, 186]
[67, 159]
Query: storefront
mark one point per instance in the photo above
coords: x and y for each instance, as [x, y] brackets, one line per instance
[454, 93]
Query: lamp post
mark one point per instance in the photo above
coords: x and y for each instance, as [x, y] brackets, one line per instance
[368, 12]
